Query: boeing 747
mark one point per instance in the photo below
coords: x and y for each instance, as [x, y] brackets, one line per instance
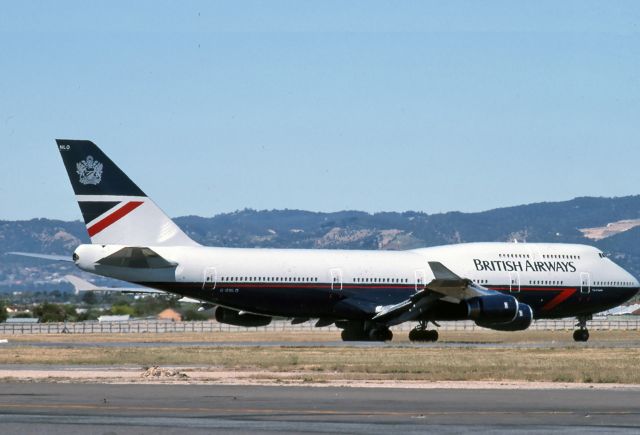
[501, 286]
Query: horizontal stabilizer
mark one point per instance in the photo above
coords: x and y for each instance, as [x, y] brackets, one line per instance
[80, 285]
[43, 256]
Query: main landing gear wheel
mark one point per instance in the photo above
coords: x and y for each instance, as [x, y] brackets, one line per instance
[582, 334]
[375, 334]
[421, 334]
[380, 334]
[354, 335]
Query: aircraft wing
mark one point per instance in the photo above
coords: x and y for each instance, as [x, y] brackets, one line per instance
[445, 285]
[453, 287]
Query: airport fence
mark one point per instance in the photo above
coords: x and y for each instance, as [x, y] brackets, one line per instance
[164, 326]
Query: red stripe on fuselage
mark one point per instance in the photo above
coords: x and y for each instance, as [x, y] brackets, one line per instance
[113, 217]
[559, 298]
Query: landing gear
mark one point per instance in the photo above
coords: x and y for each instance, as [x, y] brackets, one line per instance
[380, 334]
[582, 334]
[358, 332]
[353, 334]
[421, 334]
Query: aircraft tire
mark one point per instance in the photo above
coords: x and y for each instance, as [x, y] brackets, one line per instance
[380, 334]
[424, 335]
[354, 335]
[581, 335]
[389, 335]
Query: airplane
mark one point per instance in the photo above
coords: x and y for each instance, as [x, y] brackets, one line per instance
[500, 286]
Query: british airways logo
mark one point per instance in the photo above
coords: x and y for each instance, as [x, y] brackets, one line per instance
[89, 170]
[523, 266]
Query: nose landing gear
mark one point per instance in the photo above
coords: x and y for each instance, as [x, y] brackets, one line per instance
[582, 334]
[421, 334]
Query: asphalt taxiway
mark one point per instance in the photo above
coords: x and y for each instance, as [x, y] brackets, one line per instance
[123, 409]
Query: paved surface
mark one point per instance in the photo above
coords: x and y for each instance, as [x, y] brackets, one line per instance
[355, 344]
[153, 409]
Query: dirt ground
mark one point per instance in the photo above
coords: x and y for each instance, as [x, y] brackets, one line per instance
[535, 359]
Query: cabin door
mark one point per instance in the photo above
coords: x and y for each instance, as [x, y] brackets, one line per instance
[514, 282]
[421, 278]
[209, 279]
[336, 279]
[585, 283]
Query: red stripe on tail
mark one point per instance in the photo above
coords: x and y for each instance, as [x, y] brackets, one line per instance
[113, 217]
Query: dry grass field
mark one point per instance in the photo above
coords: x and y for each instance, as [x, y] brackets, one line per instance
[479, 336]
[611, 356]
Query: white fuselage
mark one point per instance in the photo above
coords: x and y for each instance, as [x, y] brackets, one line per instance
[544, 274]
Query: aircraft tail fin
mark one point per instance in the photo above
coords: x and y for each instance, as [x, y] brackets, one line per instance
[115, 210]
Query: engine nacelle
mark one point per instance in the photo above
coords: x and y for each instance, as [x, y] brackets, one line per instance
[233, 317]
[520, 323]
[492, 308]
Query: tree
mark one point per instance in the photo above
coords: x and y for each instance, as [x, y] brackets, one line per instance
[121, 309]
[3, 311]
[192, 314]
[89, 298]
[88, 315]
[70, 313]
[48, 312]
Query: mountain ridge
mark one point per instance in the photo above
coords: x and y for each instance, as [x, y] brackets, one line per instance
[351, 229]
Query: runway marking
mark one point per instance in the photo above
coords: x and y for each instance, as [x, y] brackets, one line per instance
[240, 411]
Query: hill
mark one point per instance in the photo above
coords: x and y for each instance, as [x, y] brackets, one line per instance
[613, 224]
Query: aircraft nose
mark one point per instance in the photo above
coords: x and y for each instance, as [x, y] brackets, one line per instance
[629, 292]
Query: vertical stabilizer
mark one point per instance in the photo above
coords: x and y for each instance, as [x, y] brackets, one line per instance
[114, 209]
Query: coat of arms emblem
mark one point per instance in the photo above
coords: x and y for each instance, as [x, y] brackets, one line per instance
[89, 170]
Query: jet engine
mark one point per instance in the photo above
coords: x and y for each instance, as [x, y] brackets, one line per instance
[233, 317]
[520, 323]
[492, 308]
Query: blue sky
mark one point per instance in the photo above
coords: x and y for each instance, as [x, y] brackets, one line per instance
[378, 106]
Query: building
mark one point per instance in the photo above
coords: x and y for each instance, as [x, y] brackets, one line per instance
[169, 314]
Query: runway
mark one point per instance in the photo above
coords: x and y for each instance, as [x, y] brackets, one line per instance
[125, 409]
